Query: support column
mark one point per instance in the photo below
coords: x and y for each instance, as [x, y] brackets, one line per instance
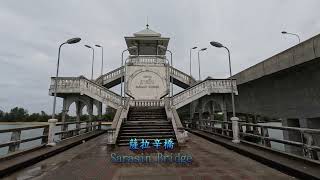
[64, 127]
[225, 115]
[90, 112]
[78, 114]
[100, 111]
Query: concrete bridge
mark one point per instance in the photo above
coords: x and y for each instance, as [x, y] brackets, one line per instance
[147, 112]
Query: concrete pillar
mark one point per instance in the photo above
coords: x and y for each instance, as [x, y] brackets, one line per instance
[100, 110]
[52, 125]
[78, 113]
[292, 136]
[90, 112]
[235, 130]
[63, 117]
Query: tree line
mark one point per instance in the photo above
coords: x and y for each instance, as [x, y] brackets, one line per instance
[19, 114]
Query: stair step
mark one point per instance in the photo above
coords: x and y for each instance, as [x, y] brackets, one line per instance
[148, 122]
[148, 139]
[146, 133]
[147, 130]
[145, 136]
[147, 127]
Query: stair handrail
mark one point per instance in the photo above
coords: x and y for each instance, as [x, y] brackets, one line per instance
[175, 120]
[120, 115]
[208, 85]
[110, 74]
[82, 85]
[177, 72]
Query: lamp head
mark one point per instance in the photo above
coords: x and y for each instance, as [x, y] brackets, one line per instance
[203, 49]
[97, 45]
[73, 40]
[132, 47]
[194, 47]
[88, 46]
[284, 32]
[162, 47]
[216, 44]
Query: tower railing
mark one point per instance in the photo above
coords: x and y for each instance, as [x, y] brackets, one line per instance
[145, 59]
[147, 103]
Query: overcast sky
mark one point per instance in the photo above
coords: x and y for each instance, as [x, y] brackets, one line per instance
[32, 30]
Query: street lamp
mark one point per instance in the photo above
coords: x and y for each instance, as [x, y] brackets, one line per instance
[129, 48]
[69, 41]
[285, 32]
[92, 59]
[190, 57]
[164, 48]
[234, 119]
[203, 49]
[97, 45]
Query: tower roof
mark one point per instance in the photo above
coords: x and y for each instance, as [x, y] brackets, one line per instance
[147, 42]
[147, 33]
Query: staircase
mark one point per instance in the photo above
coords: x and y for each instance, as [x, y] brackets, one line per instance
[146, 123]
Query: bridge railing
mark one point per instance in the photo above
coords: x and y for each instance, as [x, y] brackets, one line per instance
[257, 134]
[71, 129]
[147, 103]
[32, 137]
[14, 144]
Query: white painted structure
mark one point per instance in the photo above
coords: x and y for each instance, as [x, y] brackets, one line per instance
[147, 74]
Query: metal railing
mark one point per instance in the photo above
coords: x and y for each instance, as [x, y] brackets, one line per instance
[259, 135]
[14, 144]
[16, 140]
[147, 103]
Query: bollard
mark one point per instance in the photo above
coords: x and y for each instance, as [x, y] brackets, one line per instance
[235, 129]
[52, 125]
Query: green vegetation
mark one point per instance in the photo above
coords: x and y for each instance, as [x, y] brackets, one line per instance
[19, 114]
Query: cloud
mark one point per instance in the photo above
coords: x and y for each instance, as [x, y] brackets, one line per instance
[31, 32]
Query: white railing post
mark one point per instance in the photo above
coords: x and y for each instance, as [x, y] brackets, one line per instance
[235, 129]
[52, 125]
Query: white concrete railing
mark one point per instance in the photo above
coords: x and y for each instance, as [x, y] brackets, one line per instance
[181, 76]
[147, 103]
[136, 60]
[111, 76]
[82, 85]
[173, 116]
[120, 115]
[203, 88]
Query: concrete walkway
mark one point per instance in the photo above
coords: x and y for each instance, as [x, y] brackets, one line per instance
[91, 160]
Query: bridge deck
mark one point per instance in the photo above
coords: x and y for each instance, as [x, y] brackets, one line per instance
[91, 160]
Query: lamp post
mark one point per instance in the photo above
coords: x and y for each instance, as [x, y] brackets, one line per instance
[164, 48]
[195, 47]
[97, 45]
[92, 59]
[234, 119]
[203, 49]
[129, 48]
[70, 41]
[285, 32]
